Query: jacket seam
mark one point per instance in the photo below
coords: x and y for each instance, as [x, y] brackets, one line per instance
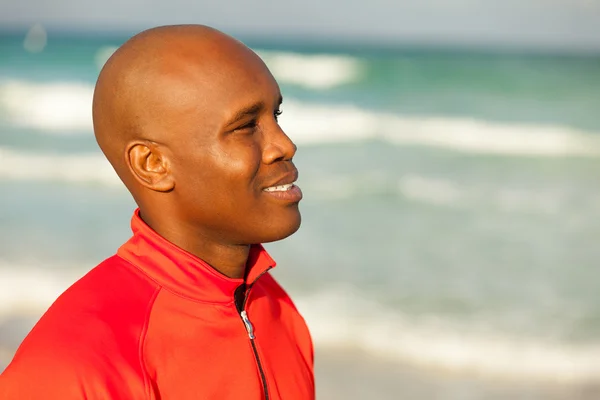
[174, 292]
[142, 341]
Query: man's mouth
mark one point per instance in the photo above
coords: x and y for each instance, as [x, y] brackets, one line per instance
[280, 188]
[285, 188]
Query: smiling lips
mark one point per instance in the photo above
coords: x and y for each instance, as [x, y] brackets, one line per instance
[281, 188]
[288, 192]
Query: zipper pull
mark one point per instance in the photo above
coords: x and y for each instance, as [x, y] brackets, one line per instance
[247, 324]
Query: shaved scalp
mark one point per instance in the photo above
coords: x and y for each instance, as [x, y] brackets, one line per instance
[143, 78]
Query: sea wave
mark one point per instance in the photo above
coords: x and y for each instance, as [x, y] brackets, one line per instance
[63, 108]
[447, 192]
[314, 71]
[437, 191]
[77, 168]
[342, 318]
[318, 123]
[29, 290]
[93, 168]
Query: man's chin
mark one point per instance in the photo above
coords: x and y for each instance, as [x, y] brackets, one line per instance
[283, 229]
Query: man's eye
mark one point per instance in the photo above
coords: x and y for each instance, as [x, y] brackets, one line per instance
[277, 114]
[249, 125]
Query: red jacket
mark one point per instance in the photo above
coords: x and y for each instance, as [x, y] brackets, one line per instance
[155, 322]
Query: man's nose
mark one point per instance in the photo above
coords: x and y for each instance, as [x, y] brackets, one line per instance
[279, 147]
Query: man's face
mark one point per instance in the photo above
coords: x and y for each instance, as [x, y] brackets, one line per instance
[231, 162]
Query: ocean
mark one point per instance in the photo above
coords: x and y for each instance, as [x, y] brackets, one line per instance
[450, 215]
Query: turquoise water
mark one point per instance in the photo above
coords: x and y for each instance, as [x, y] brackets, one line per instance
[452, 198]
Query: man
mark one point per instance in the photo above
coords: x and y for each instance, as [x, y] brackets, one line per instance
[187, 308]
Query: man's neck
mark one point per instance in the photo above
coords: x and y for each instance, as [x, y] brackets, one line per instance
[229, 260]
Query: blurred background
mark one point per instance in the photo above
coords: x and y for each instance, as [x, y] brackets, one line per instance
[449, 154]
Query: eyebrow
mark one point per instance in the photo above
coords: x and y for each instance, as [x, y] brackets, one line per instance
[246, 111]
[249, 111]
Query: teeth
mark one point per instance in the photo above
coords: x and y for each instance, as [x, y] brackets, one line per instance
[281, 188]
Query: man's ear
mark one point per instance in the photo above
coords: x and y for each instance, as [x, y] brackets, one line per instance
[149, 166]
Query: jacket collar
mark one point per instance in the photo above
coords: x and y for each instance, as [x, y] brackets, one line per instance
[183, 273]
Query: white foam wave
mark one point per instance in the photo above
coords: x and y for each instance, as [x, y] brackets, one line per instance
[314, 71]
[447, 192]
[88, 168]
[314, 123]
[438, 191]
[65, 108]
[58, 108]
[342, 319]
[28, 290]
[431, 190]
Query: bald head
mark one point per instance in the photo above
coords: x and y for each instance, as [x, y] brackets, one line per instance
[154, 76]
[187, 116]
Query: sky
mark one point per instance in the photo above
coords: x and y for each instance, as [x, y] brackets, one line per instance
[554, 24]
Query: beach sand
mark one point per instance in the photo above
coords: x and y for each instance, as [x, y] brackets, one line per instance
[352, 375]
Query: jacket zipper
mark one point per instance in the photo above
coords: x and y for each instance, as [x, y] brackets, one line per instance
[250, 330]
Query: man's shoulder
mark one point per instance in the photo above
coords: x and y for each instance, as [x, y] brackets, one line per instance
[110, 297]
[110, 291]
[91, 335]
[71, 369]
